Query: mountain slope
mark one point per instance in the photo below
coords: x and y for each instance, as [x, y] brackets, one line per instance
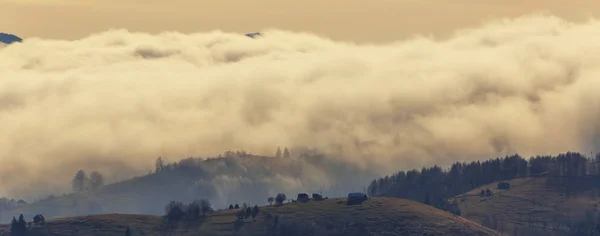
[529, 207]
[376, 216]
[9, 38]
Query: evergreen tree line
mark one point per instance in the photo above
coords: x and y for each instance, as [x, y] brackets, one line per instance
[569, 172]
[161, 165]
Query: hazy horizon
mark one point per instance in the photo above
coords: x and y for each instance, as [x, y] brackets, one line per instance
[115, 100]
[378, 21]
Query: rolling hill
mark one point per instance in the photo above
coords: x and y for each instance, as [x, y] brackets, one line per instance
[223, 181]
[529, 207]
[376, 216]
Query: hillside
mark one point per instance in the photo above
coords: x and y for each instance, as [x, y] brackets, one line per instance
[376, 216]
[529, 207]
[223, 181]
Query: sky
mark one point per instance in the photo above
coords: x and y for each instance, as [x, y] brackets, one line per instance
[349, 20]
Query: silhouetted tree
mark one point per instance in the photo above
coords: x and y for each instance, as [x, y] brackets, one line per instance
[230, 206]
[174, 210]
[280, 198]
[14, 227]
[248, 213]
[237, 206]
[193, 210]
[205, 206]
[79, 181]
[286, 153]
[96, 179]
[270, 200]
[159, 165]
[255, 211]
[18, 227]
[278, 153]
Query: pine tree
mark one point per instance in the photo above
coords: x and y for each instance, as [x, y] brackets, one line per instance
[22, 222]
[159, 165]
[18, 227]
[14, 228]
[286, 153]
[278, 153]
[79, 181]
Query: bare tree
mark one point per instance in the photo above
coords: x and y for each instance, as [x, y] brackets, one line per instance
[193, 210]
[205, 206]
[96, 179]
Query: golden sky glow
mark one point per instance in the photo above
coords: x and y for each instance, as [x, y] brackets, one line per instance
[376, 21]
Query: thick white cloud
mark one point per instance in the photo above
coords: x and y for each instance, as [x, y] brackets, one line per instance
[116, 100]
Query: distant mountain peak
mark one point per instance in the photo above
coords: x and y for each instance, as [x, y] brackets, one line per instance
[9, 38]
[253, 35]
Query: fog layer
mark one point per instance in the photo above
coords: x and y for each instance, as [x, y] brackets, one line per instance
[116, 100]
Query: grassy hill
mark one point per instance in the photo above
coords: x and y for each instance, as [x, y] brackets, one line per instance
[223, 181]
[529, 207]
[376, 216]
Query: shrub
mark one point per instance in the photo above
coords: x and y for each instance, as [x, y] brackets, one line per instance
[280, 198]
[174, 210]
[205, 206]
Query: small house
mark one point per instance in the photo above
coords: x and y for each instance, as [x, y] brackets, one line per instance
[356, 198]
[503, 185]
[39, 219]
[303, 197]
[317, 197]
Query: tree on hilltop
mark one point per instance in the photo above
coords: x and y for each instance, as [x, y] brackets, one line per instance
[159, 165]
[286, 153]
[79, 181]
[96, 179]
